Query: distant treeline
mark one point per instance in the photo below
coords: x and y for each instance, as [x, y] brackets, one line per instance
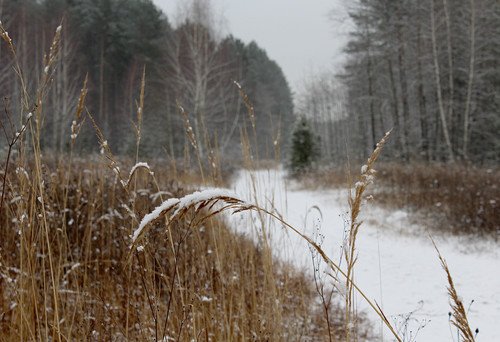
[191, 65]
[428, 69]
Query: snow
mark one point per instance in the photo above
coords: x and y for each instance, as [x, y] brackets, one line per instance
[6, 37]
[205, 299]
[73, 267]
[180, 205]
[359, 185]
[132, 171]
[159, 194]
[201, 196]
[22, 171]
[155, 214]
[397, 263]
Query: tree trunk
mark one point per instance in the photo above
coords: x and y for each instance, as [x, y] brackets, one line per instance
[404, 86]
[371, 96]
[422, 101]
[395, 110]
[437, 75]
[471, 77]
[451, 87]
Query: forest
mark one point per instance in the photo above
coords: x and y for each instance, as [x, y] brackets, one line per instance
[429, 70]
[112, 43]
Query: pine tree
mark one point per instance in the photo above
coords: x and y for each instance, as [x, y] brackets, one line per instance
[304, 149]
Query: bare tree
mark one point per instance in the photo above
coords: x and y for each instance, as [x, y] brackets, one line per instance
[202, 76]
[322, 101]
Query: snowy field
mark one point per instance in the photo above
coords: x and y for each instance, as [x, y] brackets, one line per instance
[397, 265]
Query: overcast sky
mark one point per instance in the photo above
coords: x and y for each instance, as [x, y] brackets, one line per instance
[300, 35]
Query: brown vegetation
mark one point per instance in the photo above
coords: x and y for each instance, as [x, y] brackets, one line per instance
[458, 314]
[455, 198]
[459, 198]
[66, 275]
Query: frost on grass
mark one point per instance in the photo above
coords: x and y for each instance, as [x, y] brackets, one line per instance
[205, 299]
[134, 169]
[154, 215]
[154, 197]
[72, 268]
[197, 199]
[202, 197]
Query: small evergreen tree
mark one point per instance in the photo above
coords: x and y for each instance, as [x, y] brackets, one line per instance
[304, 149]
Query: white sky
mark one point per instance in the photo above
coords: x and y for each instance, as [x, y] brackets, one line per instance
[298, 34]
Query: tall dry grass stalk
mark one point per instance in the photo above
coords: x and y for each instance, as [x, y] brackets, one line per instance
[193, 140]
[140, 112]
[356, 200]
[247, 152]
[36, 201]
[459, 314]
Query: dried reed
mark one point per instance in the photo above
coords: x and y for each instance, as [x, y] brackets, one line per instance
[459, 314]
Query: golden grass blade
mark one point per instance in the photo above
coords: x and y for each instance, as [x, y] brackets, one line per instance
[459, 313]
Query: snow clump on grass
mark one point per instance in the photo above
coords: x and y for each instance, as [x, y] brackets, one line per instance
[198, 200]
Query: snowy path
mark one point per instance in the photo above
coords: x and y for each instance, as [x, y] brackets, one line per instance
[397, 264]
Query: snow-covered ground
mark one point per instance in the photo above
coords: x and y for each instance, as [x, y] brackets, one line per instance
[397, 264]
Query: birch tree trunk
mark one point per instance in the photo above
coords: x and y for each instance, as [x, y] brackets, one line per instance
[437, 75]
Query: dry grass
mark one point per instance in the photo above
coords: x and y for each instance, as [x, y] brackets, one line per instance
[459, 314]
[198, 281]
[456, 199]
[67, 270]
[331, 177]
[459, 198]
[356, 199]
